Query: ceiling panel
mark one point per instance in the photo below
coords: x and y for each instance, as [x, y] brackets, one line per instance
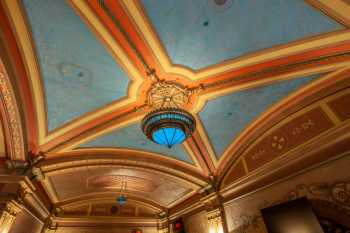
[79, 75]
[162, 189]
[199, 33]
[225, 117]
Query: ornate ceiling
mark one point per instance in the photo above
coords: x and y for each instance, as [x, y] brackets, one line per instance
[264, 79]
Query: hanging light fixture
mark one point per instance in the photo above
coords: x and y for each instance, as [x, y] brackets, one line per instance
[121, 199]
[168, 126]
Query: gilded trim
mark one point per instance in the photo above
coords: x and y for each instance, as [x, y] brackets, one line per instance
[11, 118]
[138, 15]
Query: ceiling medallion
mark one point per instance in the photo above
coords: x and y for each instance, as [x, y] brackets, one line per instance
[164, 94]
[168, 124]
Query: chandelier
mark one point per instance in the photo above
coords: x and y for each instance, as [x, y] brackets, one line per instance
[121, 199]
[168, 126]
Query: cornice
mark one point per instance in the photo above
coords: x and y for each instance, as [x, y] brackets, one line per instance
[27, 195]
[95, 221]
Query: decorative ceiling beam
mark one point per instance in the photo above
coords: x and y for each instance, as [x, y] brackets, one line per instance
[117, 21]
[12, 60]
[23, 38]
[140, 20]
[11, 119]
[122, 157]
[97, 199]
[197, 146]
[336, 9]
[320, 60]
[91, 223]
[95, 127]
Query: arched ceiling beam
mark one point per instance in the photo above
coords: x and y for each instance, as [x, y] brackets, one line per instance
[108, 198]
[124, 157]
[311, 95]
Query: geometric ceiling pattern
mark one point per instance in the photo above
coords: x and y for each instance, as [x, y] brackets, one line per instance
[263, 79]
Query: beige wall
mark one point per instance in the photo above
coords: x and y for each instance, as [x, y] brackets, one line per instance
[196, 223]
[328, 186]
[25, 223]
[103, 230]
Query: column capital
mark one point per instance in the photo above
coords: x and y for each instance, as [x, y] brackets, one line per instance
[12, 207]
[163, 222]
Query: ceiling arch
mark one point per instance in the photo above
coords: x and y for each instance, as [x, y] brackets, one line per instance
[103, 206]
[87, 86]
[79, 158]
[110, 198]
[91, 171]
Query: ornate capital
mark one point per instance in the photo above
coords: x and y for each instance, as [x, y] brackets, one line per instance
[8, 215]
[216, 221]
[163, 223]
[12, 208]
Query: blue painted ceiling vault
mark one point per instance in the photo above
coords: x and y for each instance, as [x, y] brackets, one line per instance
[80, 76]
[200, 33]
[237, 110]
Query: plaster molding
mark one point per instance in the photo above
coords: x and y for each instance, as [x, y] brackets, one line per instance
[13, 127]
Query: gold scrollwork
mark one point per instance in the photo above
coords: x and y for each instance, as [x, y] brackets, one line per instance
[14, 124]
[164, 94]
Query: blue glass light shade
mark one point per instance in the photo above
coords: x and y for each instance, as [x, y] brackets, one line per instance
[121, 200]
[168, 126]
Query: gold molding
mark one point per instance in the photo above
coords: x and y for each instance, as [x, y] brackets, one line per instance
[276, 106]
[56, 167]
[300, 113]
[203, 99]
[134, 9]
[27, 194]
[11, 120]
[72, 145]
[331, 115]
[22, 35]
[285, 161]
[105, 200]
[178, 179]
[24, 41]
[205, 138]
[189, 152]
[49, 189]
[336, 9]
[105, 220]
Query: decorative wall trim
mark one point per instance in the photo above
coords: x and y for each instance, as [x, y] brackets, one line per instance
[11, 118]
